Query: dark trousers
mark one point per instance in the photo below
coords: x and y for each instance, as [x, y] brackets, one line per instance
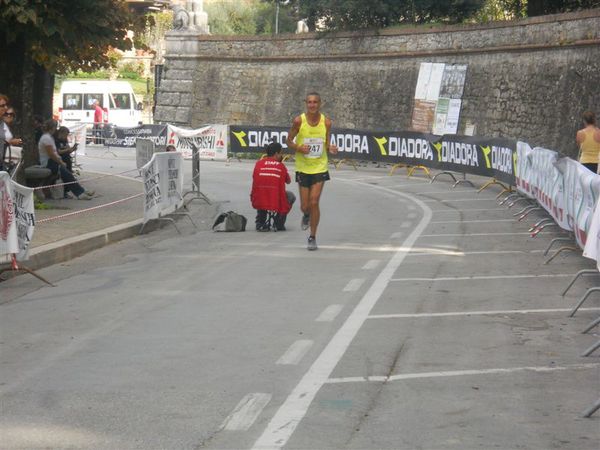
[69, 162]
[66, 177]
[279, 221]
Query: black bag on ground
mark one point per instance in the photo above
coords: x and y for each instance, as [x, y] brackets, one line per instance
[230, 221]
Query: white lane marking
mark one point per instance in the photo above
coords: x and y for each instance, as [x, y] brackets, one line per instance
[330, 313]
[487, 277]
[477, 313]
[450, 209]
[452, 200]
[462, 373]
[475, 221]
[246, 412]
[295, 353]
[484, 234]
[412, 215]
[372, 264]
[292, 411]
[405, 224]
[397, 235]
[438, 252]
[354, 285]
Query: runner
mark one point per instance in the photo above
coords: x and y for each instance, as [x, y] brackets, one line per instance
[311, 131]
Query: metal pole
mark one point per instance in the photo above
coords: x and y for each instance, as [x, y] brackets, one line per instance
[277, 17]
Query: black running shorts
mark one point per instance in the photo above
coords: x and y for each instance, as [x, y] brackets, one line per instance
[308, 179]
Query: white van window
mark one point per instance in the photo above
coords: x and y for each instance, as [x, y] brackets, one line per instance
[88, 100]
[72, 101]
[121, 101]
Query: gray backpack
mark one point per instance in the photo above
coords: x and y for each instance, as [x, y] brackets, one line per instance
[230, 221]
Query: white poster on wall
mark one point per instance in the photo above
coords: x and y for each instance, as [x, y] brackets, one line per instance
[211, 141]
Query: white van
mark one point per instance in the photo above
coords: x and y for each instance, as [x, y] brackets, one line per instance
[76, 102]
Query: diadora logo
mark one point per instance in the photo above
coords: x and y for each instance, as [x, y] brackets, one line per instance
[259, 138]
[240, 135]
[404, 147]
[499, 158]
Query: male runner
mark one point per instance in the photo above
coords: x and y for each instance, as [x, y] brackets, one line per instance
[311, 131]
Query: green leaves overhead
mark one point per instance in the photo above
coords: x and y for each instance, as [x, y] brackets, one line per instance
[67, 35]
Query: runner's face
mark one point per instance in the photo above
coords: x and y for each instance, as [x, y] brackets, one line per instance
[313, 104]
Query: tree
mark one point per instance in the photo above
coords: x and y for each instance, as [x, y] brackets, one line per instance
[358, 14]
[40, 38]
[541, 7]
[248, 17]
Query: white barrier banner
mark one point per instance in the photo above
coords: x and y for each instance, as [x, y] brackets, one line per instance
[592, 244]
[163, 184]
[17, 218]
[78, 136]
[211, 141]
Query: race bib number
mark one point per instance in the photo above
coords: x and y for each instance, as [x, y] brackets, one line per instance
[316, 147]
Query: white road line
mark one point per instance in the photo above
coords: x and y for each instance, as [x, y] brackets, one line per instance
[475, 221]
[295, 353]
[437, 252]
[476, 313]
[462, 373]
[482, 234]
[487, 277]
[246, 412]
[354, 285]
[292, 411]
[454, 210]
[330, 313]
[451, 200]
[405, 224]
[372, 264]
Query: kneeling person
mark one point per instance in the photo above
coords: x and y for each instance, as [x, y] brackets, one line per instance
[268, 189]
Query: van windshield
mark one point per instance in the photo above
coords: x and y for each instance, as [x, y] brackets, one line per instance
[88, 100]
[72, 101]
[121, 101]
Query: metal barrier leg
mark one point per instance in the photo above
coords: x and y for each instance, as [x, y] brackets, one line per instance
[592, 349]
[395, 166]
[559, 251]
[14, 267]
[540, 223]
[585, 296]
[509, 197]
[577, 275]
[184, 214]
[513, 203]
[413, 168]
[592, 409]
[490, 183]
[169, 219]
[443, 173]
[592, 325]
[522, 216]
[559, 239]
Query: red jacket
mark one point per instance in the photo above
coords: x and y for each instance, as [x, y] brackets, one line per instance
[268, 186]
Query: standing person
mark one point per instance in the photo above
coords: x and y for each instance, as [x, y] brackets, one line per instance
[98, 121]
[50, 158]
[268, 189]
[588, 139]
[311, 131]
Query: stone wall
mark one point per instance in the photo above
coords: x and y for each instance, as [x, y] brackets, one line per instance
[529, 79]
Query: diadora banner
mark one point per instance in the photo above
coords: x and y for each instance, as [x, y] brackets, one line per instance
[491, 157]
[126, 137]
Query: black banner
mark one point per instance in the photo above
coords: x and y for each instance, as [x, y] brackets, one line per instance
[126, 137]
[490, 157]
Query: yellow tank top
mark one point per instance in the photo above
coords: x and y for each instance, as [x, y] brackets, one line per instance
[589, 149]
[316, 137]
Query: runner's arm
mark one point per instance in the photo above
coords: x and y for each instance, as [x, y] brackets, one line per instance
[292, 135]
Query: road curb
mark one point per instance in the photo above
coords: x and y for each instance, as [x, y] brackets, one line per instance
[66, 249]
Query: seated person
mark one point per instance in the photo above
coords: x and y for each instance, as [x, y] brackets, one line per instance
[61, 140]
[50, 158]
[268, 189]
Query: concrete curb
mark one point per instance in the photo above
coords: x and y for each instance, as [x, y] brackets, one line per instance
[66, 249]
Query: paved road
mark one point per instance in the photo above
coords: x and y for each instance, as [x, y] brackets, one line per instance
[425, 320]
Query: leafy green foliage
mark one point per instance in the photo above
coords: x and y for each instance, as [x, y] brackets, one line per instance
[541, 7]
[66, 35]
[249, 17]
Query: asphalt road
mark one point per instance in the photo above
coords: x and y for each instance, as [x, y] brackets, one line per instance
[426, 320]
